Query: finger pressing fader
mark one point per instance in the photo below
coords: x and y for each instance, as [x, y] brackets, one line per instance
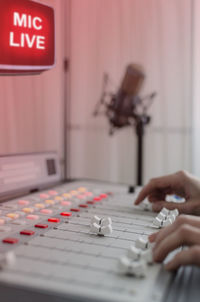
[146, 205]
[165, 217]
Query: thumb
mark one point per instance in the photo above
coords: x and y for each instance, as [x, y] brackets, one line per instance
[184, 207]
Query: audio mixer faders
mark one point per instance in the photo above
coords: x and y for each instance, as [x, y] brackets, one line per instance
[69, 241]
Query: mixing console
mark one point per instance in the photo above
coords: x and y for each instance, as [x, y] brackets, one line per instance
[49, 244]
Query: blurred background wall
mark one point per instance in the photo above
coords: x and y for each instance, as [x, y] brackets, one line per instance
[98, 36]
[106, 35]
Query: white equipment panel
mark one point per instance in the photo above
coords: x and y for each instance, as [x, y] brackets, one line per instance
[28, 172]
[55, 252]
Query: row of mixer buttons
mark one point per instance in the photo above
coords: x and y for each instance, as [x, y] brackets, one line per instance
[10, 240]
[10, 217]
[41, 206]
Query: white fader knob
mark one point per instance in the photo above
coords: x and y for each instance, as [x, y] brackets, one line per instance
[125, 265]
[101, 230]
[101, 221]
[175, 212]
[167, 222]
[164, 211]
[161, 216]
[142, 243]
[172, 217]
[146, 205]
[105, 230]
[94, 228]
[139, 269]
[106, 221]
[95, 219]
[147, 256]
[134, 253]
[157, 222]
[134, 268]
[7, 259]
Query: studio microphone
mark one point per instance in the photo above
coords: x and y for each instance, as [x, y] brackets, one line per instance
[123, 103]
[133, 80]
[127, 108]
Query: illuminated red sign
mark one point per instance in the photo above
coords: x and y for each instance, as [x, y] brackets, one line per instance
[27, 36]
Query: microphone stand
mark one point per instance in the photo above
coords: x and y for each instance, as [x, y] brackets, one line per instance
[140, 122]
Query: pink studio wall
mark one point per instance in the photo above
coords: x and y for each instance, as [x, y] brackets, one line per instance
[105, 36]
[31, 114]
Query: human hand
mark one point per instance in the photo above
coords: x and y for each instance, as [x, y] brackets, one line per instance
[184, 231]
[182, 184]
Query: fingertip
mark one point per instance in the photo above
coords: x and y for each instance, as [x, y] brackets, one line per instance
[152, 237]
[170, 266]
[137, 201]
[157, 206]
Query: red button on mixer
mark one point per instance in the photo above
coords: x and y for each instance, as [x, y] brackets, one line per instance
[97, 199]
[83, 205]
[41, 226]
[44, 196]
[81, 196]
[67, 214]
[27, 232]
[10, 240]
[53, 219]
[52, 192]
[46, 211]
[88, 194]
[90, 202]
[103, 195]
[23, 202]
[75, 210]
[65, 203]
